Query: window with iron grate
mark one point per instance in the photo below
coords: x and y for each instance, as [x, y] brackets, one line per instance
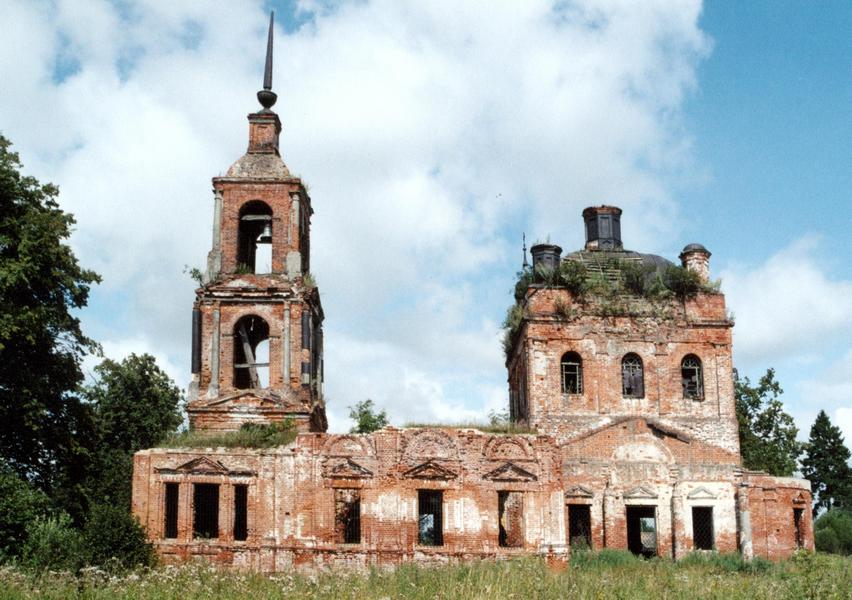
[205, 509]
[632, 376]
[692, 377]
[572, 373]
[430, 517]
[347, 516]
[702, 528]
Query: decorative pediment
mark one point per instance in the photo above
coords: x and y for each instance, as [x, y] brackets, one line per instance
[347, 469]
[247, 399]
[578, 491]
[640, 492]
[510, 472]
[202, 466]
[429, 470]
[701, 493]
[800, 498]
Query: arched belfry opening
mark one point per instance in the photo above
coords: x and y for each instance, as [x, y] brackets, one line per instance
[251, 353]
[254, 238]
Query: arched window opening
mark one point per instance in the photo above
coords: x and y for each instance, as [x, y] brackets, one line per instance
[572, 373]
[692, 377]
[632, 376]
[251, 353]
[254, 239]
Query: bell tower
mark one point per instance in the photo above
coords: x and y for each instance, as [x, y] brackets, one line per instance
[257, 318]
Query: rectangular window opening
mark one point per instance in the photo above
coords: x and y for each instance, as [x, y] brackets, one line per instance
[205, 503]
[798, 514]
[702, 528]
[170, 525]
[580, 526]
[510, 506]
[430, 517]
[347, 516]
[642, 530]
[240, 513]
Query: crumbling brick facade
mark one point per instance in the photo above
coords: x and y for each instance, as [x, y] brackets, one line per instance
[630, 396]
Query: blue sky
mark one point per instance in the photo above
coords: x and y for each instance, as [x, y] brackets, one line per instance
[432, 136]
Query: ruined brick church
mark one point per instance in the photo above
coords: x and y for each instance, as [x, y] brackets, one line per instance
[629, 401]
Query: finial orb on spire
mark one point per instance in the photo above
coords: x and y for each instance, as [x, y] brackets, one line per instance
[266, 96]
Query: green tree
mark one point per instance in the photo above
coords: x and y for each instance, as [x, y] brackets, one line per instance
[41, 341]
[767, 433]
[366, 418]
[113, 537]
[20, 504]
[833, 532]
[826, 465]
[135, 406]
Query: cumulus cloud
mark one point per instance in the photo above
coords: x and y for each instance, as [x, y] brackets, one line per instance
[431, 134]
[788, 306]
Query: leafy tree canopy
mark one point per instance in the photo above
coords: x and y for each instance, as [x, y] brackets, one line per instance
[41, 341]
[135, 405]
[826, 465]
[767, 433]
[366, 418]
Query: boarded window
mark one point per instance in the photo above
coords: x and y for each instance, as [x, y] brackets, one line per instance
[798, 514]
[430, 517]
[240, 513]
[572, 373]
[580, 526]
[170, 524]
[692, 377]
[632, 376]
[251, 353]
[205, 509]
[347, 516]
[642, 530]
[510, 506]
[702, 527]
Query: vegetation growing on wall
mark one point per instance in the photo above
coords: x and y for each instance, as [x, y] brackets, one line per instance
[250, 435]
[621, 288]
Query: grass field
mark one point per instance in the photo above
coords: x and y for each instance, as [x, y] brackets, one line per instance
[602, 575]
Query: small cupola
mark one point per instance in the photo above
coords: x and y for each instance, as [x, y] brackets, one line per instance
[547, 255]
[603, 228]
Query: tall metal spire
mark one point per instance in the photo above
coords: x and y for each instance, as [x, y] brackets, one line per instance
[266, 96]
[526, 264]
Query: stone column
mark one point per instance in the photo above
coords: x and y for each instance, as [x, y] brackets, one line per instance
[678, 528]
[214, 257]
[213, 388]
[744, 521]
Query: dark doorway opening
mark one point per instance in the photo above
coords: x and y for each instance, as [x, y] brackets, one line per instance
[240, 513]
[702, 527]
[205, 503]
[171, 512]
[642, 530]
[580, 526]
[510, 508]
[797, 523]
[430, 522]
[347, 516]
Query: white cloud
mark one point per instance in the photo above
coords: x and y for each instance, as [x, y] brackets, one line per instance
[431, 134]
[787, 306]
